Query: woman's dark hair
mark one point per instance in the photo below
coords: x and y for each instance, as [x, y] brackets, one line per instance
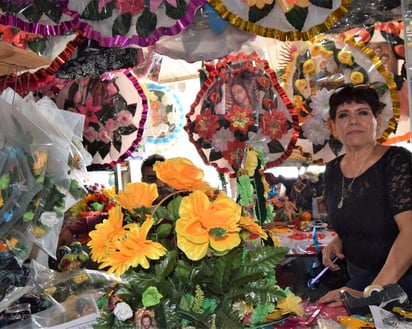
[358, 94]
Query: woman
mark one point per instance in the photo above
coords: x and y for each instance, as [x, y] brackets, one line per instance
[368, 195]
[240, 92]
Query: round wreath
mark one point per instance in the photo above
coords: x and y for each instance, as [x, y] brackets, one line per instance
[311, 71]
[222, 129]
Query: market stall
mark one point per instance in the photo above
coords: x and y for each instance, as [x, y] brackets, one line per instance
[248, 94]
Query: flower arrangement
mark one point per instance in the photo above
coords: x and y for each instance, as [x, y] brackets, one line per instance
[313, 70]
[199, 261]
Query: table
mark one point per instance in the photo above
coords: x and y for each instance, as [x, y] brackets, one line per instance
[302, 242]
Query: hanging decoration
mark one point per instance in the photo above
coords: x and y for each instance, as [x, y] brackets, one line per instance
[126, 23]
[241, 104]
[311, 71]
[282, 19]
[209, 37]
[165, 119]
[115, 112]
[110, 22]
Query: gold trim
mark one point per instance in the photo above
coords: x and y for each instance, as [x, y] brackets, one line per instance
[268, 32]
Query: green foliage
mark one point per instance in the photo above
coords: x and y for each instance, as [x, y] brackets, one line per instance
[256, 14]
[176, 12]
[122, 24]
[328, 4]
[146, 23]
[297, 17]
[91, 12]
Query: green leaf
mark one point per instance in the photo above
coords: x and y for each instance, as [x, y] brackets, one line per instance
[121, 24]
[173, 207]
[91, 12]
[33, 13]
[53, 11]
[297, 17]
[176, 12]
[256, 14]
[380, 87]
[146, 23]
[38, 45]
[164, 230]
[275, 146]
[322, 3]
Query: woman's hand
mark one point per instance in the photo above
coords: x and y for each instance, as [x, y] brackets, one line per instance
[334, 248]
[334, 299]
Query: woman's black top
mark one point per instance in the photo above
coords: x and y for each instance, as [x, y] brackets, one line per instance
[365, 223]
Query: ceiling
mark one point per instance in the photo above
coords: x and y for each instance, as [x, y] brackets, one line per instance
[173, 70]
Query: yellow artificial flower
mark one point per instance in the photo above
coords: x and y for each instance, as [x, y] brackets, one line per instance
[39, 161]
[109, 193]
[288, 5]
[316, 49]
[181, 174]
[203, 223]
[252, 227]
[345, 57]
[309, 66]
[1, 200]
[291, 304]
[88, 199]
[105, 233]
[258, 3]
[133, 250]
[137, 195]
[357, 77]
[301, 85]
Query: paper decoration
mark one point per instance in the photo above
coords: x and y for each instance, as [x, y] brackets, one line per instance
[111, 22]
[165, 118]
[115, 112]
[241, 104]
[209, 37]
[282, 19]
[311, 73]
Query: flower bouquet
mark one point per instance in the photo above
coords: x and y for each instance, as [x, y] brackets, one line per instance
[194, 260]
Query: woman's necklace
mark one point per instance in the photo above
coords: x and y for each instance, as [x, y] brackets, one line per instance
[345, 193]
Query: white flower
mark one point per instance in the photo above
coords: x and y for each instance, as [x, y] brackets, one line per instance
[221, 138]
[316, 131]
[123, 311]
[167, 100]
[259, 143]
[49, 218]
[320, 104]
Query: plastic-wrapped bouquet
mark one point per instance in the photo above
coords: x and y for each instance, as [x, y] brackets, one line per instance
[197, 260]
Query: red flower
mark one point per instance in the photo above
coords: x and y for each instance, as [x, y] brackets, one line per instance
[264, 82]
[268, 104]
[133, 7]
[240, 119]
[234, 153]
[206, 124]
[274, 124]
[215, 98]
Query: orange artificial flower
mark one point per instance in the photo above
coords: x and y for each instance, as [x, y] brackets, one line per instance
[133, 250]
[39, 162]
[288, 5]
[181, 174]
[203, 224]
[137, 195]
[258, 3]
[104, 233]
[252, 227]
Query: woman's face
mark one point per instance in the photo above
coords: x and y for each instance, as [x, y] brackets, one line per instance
[240, 95]
[355, 124]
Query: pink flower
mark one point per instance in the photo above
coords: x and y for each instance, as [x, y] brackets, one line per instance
[90, 134]
[104, 135]
[132, 7]
[102, 4]
[124, 118]
[111, 125]
[89, 110]
[221, 138]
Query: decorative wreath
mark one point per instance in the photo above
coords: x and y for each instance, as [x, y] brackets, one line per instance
[241, 105]
[165, 119]
[282, 19]
[115, 110]
[313, 70]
